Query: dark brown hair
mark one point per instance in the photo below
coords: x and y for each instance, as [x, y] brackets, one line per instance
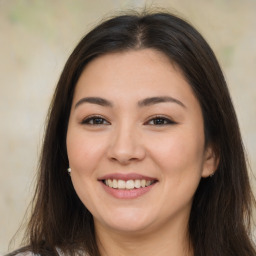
[220, 217]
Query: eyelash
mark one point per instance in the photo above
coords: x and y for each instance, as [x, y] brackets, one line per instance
[92, 119]
[163, 121]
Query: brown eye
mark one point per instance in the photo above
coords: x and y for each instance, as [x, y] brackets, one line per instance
[160, 121]
[95, 120]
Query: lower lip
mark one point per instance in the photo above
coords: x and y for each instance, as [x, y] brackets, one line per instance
[127, 193]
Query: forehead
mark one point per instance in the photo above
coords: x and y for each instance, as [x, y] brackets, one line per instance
[130, 74]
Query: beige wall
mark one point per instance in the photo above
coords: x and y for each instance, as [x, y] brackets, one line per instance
[36, 38]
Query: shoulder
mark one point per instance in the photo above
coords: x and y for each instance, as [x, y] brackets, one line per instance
[23, 254]
[26, 254]
[29, 253]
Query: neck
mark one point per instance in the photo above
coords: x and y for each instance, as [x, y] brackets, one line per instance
[166, 241]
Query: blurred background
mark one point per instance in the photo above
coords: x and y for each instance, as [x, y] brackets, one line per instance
[36, 38]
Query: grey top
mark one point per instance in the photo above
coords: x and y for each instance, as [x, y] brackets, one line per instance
[32, 254]
[26, 254]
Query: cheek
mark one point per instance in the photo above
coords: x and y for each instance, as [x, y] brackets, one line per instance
[180, 159]
[180, 154]
[84, 152]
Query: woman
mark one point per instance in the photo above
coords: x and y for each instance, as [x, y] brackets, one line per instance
[142, 153]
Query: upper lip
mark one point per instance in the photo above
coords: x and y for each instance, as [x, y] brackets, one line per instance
[126, 176]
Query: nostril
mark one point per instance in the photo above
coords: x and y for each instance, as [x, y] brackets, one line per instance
[125, 148]
[123, 159]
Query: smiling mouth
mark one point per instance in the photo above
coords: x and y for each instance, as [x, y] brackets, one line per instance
[128, 184]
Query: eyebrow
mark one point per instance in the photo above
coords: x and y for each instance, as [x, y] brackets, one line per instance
[142, 103]
[161, 99]
[95, 100]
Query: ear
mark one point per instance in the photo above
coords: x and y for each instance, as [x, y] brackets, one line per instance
[211, 161]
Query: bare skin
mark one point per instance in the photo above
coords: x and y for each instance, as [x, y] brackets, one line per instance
[135, 117]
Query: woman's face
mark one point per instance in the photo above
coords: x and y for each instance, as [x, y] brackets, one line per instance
[135, 142]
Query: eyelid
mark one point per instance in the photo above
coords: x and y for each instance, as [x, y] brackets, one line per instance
[168, 119]
[87, 119]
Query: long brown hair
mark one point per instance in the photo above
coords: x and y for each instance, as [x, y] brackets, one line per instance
[219, 222]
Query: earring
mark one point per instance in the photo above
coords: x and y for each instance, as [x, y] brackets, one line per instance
[69, 170]
[211, 175]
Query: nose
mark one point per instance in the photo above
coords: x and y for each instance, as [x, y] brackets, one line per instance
[126, 146]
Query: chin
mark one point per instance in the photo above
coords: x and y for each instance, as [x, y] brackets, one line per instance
[127, 221]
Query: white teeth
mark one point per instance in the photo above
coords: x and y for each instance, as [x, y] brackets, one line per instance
[114, 183]
[129, 184]
[137, 183]
[110, 183]
[121, 184]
